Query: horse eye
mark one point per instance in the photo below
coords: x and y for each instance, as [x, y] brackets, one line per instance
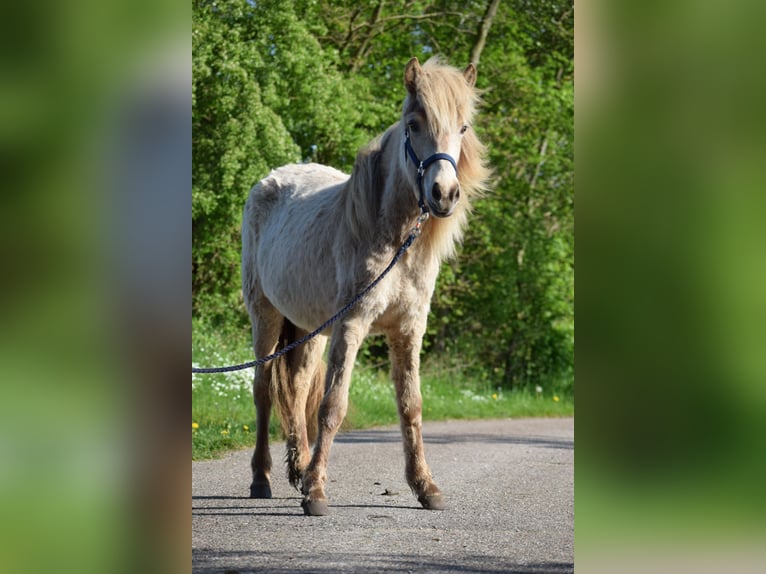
[413, 126]
[463, 129]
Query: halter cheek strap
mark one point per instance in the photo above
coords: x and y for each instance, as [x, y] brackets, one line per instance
[422, 165]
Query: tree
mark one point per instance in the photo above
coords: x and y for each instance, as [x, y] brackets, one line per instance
[486, 23]
[236, 136]
[517, 271]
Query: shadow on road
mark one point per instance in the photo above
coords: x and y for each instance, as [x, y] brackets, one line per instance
[390, 436]
[217, 562]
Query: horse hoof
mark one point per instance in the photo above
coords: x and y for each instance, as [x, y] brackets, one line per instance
[315, 507]
[260, 490]
[432, 501]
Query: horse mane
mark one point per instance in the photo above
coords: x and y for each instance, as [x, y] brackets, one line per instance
[442, 94]
[364, 190]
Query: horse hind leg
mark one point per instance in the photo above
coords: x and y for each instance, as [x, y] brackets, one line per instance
[298, 388]
[267, 323]
[405, 360]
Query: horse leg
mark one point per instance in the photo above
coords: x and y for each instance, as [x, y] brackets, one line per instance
[344, 345]
[305, 364]
[266, 327]
[405, 366]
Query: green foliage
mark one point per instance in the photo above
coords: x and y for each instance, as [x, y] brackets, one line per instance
[517, 268]
[276, 82]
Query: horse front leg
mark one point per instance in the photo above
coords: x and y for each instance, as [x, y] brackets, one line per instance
[405, 366]
[344, 345]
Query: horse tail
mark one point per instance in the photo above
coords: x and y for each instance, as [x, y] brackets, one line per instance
[283, 391]
[316, 393]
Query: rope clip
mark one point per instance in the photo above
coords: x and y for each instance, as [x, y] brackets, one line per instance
[422, 218]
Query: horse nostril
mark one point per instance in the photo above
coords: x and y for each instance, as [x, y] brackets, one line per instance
[455, 193]
[436, 192]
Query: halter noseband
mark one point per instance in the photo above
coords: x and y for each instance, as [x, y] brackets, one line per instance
[422, 165]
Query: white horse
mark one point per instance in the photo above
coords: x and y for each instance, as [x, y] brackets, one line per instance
[313, 237]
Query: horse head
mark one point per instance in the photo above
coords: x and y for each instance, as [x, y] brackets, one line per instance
[436, 116]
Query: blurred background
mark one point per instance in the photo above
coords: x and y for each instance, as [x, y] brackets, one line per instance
[95, 142]
[671, 275]
[95, 149]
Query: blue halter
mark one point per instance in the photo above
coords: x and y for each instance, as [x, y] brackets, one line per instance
[422, 165]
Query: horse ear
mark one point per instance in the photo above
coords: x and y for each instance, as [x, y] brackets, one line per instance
[470, 74]
[411, 72]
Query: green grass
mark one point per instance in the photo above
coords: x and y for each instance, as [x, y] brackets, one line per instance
[445, 396]
[223, 415]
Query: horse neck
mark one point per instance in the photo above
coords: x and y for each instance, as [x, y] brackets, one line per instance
[378, 203]
[381, 206]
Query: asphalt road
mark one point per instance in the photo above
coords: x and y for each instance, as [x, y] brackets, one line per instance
[510, 493]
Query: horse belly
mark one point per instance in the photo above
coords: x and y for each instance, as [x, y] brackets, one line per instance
[302, 290]
[294, 258]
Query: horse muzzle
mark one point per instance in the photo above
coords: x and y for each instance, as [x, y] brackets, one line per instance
[442, 202]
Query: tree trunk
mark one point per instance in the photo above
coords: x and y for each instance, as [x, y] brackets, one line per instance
[486, 22]
[357, 60]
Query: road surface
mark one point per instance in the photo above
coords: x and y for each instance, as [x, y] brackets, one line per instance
[509, 486]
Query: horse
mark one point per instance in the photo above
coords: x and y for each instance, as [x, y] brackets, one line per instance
[313, 237]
